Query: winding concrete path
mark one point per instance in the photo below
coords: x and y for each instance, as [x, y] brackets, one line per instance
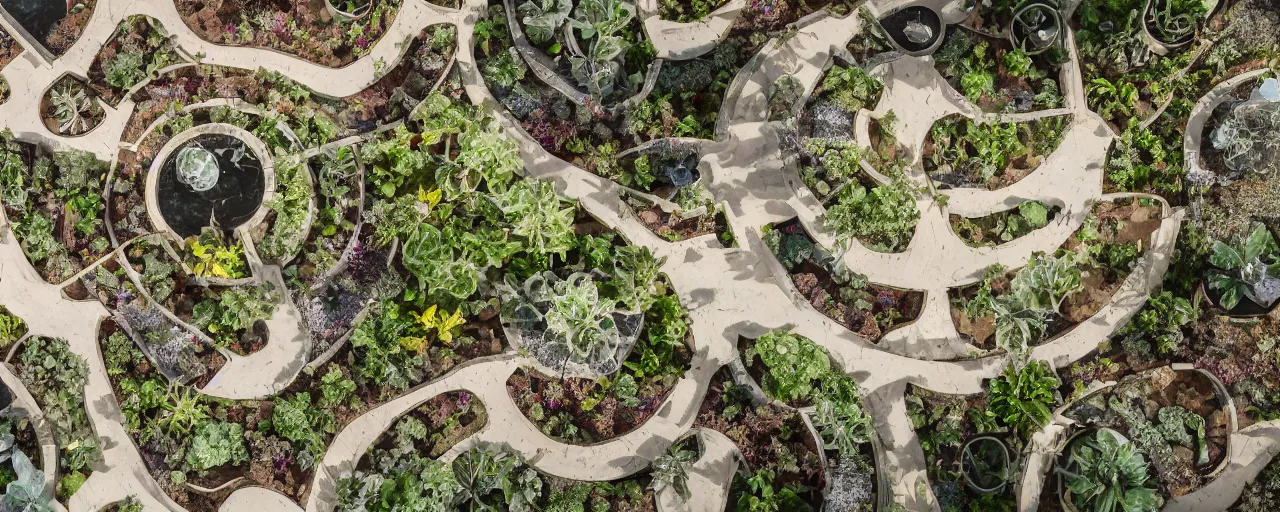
[729, 292]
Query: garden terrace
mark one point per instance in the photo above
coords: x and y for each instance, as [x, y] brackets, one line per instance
[946, 424]
[1176, 417]
[1087, 270]
[795, 372]
[685, 99]
[765, 434]
[420, 70]
[281, 436]
[56, 377]
[54, 202]
[308, 30]
[585, 411]
[841, 94]
[835, 291]
[995, 76]
[1150, 85]
[962, 153]
[139, 49]
[445, 483]
[1005, 226]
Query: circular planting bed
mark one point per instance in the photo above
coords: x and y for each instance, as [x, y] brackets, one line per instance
[917, 30]
[213, 175]
[1180, 419]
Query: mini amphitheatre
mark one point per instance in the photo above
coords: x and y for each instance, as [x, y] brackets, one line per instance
[639, 255]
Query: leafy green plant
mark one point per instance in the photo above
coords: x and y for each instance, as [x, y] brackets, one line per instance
[211, 256]
[1108, 98]
[56, 376]
[1176, 20]
[291, 204]
[795, 365]
[1105, 473]
[1021, 397]
[1242, 268]
[235, 310]
[1174, 423]
[490, 479]
[12, 328]
[851, 88]
[883, 217]
[183, 410]
[543, 18]
[217, 443]
[295, 419]
[986, 464]
[762, 496]
[1046, 281]
[1158, 327]
[381, 359]
[26, 493]
[74, 109]
[599, 67]
[125, 70]
[335, 388]
[669, 470]
[431, 259]
[538, 216]
[1248, 138]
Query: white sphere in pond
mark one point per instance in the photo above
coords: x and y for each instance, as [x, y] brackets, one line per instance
[197, 168]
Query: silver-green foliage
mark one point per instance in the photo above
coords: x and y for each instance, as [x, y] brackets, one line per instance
[670, 470]
[1105, 473]
[26, 493]
[1244, 267]
[598, 67]
[217, 443]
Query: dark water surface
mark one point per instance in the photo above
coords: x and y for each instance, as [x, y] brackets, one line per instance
[38, 17]
[232, 201]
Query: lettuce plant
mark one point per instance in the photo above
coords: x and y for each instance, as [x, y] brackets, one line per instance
[538, 216]
[1046, 281]
[795, 366]
[1105, 473]
[1021, 397]
[217, 443]
[432, 260]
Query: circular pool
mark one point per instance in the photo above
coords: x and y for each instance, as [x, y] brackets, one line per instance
[211, 175]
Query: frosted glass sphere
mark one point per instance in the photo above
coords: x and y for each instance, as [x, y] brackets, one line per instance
[197, 168]
[917, 32]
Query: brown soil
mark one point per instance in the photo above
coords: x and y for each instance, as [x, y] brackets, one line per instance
[219, 22]
[9, 48]
[598, 416]
[62, 37]
[763, 435]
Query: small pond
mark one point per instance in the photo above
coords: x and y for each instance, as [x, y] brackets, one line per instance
[38, 17]
[229, 196]
[915, 28]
